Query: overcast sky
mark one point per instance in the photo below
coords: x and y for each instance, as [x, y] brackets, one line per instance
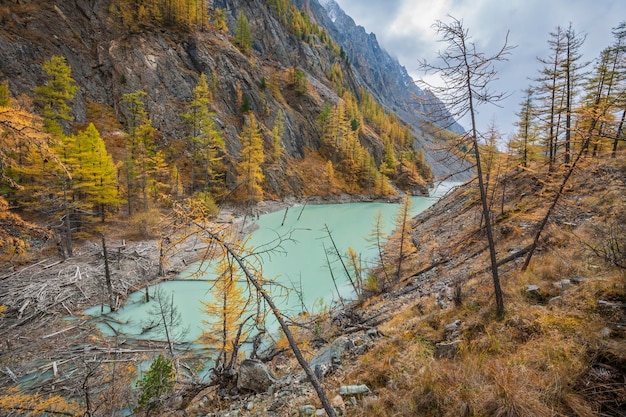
[404, 29]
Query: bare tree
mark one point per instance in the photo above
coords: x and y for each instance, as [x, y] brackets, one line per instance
[248, 264]
[468, 74]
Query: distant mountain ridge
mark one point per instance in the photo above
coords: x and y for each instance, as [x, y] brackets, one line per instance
[385, 77]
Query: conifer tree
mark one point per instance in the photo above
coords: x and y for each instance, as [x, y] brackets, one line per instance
[207, 142]
[525, 137]
[55, 95]
[277, 138]
[226, 312]
[155, 384]
[139, 150]
[400, 244]
[251, 175]
[243, 34]
[551, 94]
[376, 239]
[93, 172]
[4, 94]
[468, 75]
[219, 20]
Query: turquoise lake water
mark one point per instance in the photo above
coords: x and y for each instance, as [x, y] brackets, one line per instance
[300, 264]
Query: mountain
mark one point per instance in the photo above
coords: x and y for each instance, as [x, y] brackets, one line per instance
[384, 76]
[112, 53]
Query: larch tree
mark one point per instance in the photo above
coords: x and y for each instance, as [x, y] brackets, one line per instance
[243, 34]
[207, 142]
[399, 244]
[525, 137]
[139, 150]
[251, 175]
[550, 94]
[619, 68]
[93, 171]
[226, 316]
[572, 70]
[55, 95]
[376, 240]
[468, 74]
[219, 20]
[23, 148]
[54, 98]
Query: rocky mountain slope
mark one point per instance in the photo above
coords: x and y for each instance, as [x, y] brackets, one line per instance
[109, 58]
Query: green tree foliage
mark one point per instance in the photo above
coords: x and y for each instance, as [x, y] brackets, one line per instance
[94, 175]
[4, 94]
[219, 20]
[207, 142]
[251, 175]
[278, 149]
[155, 384]
[142, 163]
[243, 34]
[55, 95]
[299, 81]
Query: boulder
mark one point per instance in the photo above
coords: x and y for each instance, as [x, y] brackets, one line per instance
[306, 411]
[447, 350]
[253, 375]
[352, 390]
[453, 330]
[328, 358]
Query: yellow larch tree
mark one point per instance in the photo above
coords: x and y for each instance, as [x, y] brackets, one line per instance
[251, 175]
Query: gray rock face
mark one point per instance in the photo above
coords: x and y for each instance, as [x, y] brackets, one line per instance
[109, 61]
[253, 375]
[328, 358]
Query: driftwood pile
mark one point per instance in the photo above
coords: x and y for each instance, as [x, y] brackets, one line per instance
[44, 336]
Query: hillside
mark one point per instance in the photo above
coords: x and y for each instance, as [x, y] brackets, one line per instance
[431, 343]
[142, 137]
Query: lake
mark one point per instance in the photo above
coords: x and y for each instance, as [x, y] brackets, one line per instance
[301, 263]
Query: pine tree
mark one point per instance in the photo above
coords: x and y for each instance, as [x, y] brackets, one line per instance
[155, 384]
[251, 175]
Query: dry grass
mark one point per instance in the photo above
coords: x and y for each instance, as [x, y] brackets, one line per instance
[561, 353]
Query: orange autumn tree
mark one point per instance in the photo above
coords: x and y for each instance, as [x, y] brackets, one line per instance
[225, 315]
[14, 402]
[251, 175]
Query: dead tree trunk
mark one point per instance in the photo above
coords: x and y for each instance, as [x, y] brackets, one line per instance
[107, 275]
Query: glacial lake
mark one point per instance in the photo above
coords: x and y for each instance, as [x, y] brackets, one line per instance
[300, 264]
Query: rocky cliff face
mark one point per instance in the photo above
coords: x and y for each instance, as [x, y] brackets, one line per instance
[109, 60]
[386, 78]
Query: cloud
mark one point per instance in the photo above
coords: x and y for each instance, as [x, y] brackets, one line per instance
[404, 29]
